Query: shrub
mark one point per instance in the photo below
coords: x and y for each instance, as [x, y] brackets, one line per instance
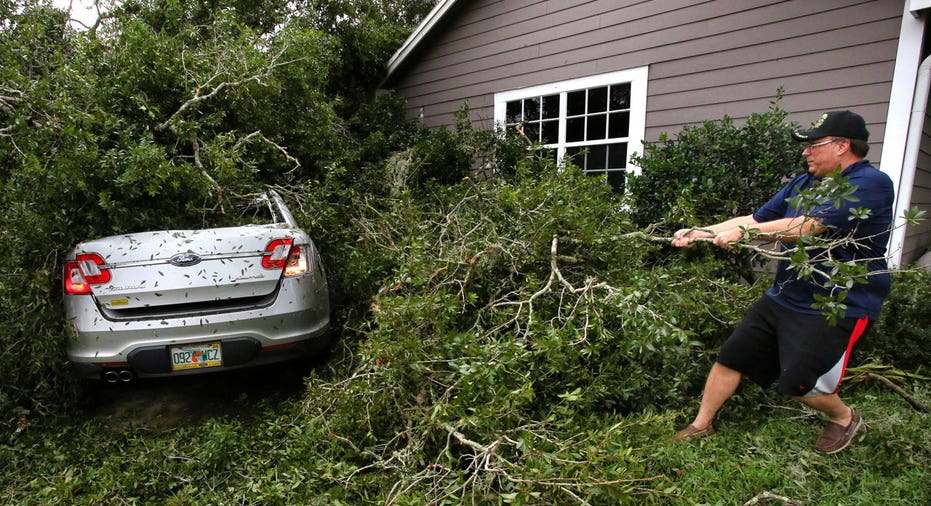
[714, 171]
[512, 311]
[902, 335]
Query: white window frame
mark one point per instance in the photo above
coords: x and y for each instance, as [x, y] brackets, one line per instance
[637, 77]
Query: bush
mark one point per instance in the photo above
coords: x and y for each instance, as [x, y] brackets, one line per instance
[714, 171]
[902, 335]
[511, 311]
[155, 118]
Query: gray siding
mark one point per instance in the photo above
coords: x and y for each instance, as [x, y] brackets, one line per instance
[707, 59]
[918, 237]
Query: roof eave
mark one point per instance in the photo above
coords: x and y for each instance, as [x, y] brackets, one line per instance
[420, 33]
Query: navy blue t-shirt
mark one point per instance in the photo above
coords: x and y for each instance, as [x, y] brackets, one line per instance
[874, 191]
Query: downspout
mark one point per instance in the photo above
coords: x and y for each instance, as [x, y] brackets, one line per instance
[900, 123]
[903, 194]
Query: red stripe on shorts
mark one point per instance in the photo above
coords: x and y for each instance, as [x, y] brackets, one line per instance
[854, 336]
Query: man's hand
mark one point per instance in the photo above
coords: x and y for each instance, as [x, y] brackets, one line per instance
[728, 238]
[683, 238]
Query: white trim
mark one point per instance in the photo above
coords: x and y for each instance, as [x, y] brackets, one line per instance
[903, 193]
[916, 5]
[637, 77]
[898, 118]
[419, 33]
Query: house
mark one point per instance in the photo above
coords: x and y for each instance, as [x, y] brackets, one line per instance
[605, 75]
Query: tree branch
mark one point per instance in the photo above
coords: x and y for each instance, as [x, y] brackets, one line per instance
[915, 403]
[214, 91]
[195, 144]
[8, 98]
[260, 136]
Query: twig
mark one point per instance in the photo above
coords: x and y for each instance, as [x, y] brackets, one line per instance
[911, 399]
[769, 495]
[199, 88]
[195, 145]
[468, 442]
[259, 135]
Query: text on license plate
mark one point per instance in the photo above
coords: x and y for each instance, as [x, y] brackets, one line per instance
[194, 356]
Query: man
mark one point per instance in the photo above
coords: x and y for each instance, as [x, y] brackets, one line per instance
[783, 338]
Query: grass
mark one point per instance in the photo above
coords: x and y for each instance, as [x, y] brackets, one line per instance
[266, 451]
[770, 451]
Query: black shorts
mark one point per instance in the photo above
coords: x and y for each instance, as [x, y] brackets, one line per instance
[806, 354]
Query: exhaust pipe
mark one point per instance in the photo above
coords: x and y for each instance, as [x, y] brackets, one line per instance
[125, 375]
[111, 376]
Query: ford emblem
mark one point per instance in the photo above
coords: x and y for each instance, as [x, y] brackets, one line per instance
[184, 259]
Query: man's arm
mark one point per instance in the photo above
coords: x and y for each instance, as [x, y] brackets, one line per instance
[727, 233]
[683, 238]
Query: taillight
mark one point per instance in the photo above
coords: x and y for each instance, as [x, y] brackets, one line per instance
[84, 271]
[74, 282]
[277, 253]
[283, 254]
[297, 261]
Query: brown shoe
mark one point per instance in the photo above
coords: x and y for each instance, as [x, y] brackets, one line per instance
[691, 432]
[835, 437]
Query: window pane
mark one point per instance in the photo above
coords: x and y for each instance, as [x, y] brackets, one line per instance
[575, 103]
[572, 156]
[617, 156]
[532, 131]
[597, 99]
[575, 129]
[551, 107]
[597, 127]
[532, 109]
[619, 125]
[591, 121]
[620, 96]
[597, 156]
[550, 132]
[616, 180]
[513, 112]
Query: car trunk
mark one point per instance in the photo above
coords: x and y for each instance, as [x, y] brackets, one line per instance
[178, 267]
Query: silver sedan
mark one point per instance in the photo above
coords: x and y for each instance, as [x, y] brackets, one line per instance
[177, 302]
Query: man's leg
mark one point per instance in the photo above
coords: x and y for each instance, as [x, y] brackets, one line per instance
[722, 382]
[829, 404]
[818, 365]
[843, 425]
[752, 348]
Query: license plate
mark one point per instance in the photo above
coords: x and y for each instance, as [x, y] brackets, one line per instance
[195, 356]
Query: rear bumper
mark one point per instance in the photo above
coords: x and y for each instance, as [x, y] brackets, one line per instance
[291, 326]
[238, 353]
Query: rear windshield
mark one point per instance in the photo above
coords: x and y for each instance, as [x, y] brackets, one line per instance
[243, 210]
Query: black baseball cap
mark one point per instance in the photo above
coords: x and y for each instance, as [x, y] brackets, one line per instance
[846, 124]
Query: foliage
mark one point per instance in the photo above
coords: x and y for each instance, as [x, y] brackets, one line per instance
[490, 327]
[274, 454]
[714, 171]
[369, 32]
[514, 338]
[393, 157]
[157, 116]
[902, 335]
